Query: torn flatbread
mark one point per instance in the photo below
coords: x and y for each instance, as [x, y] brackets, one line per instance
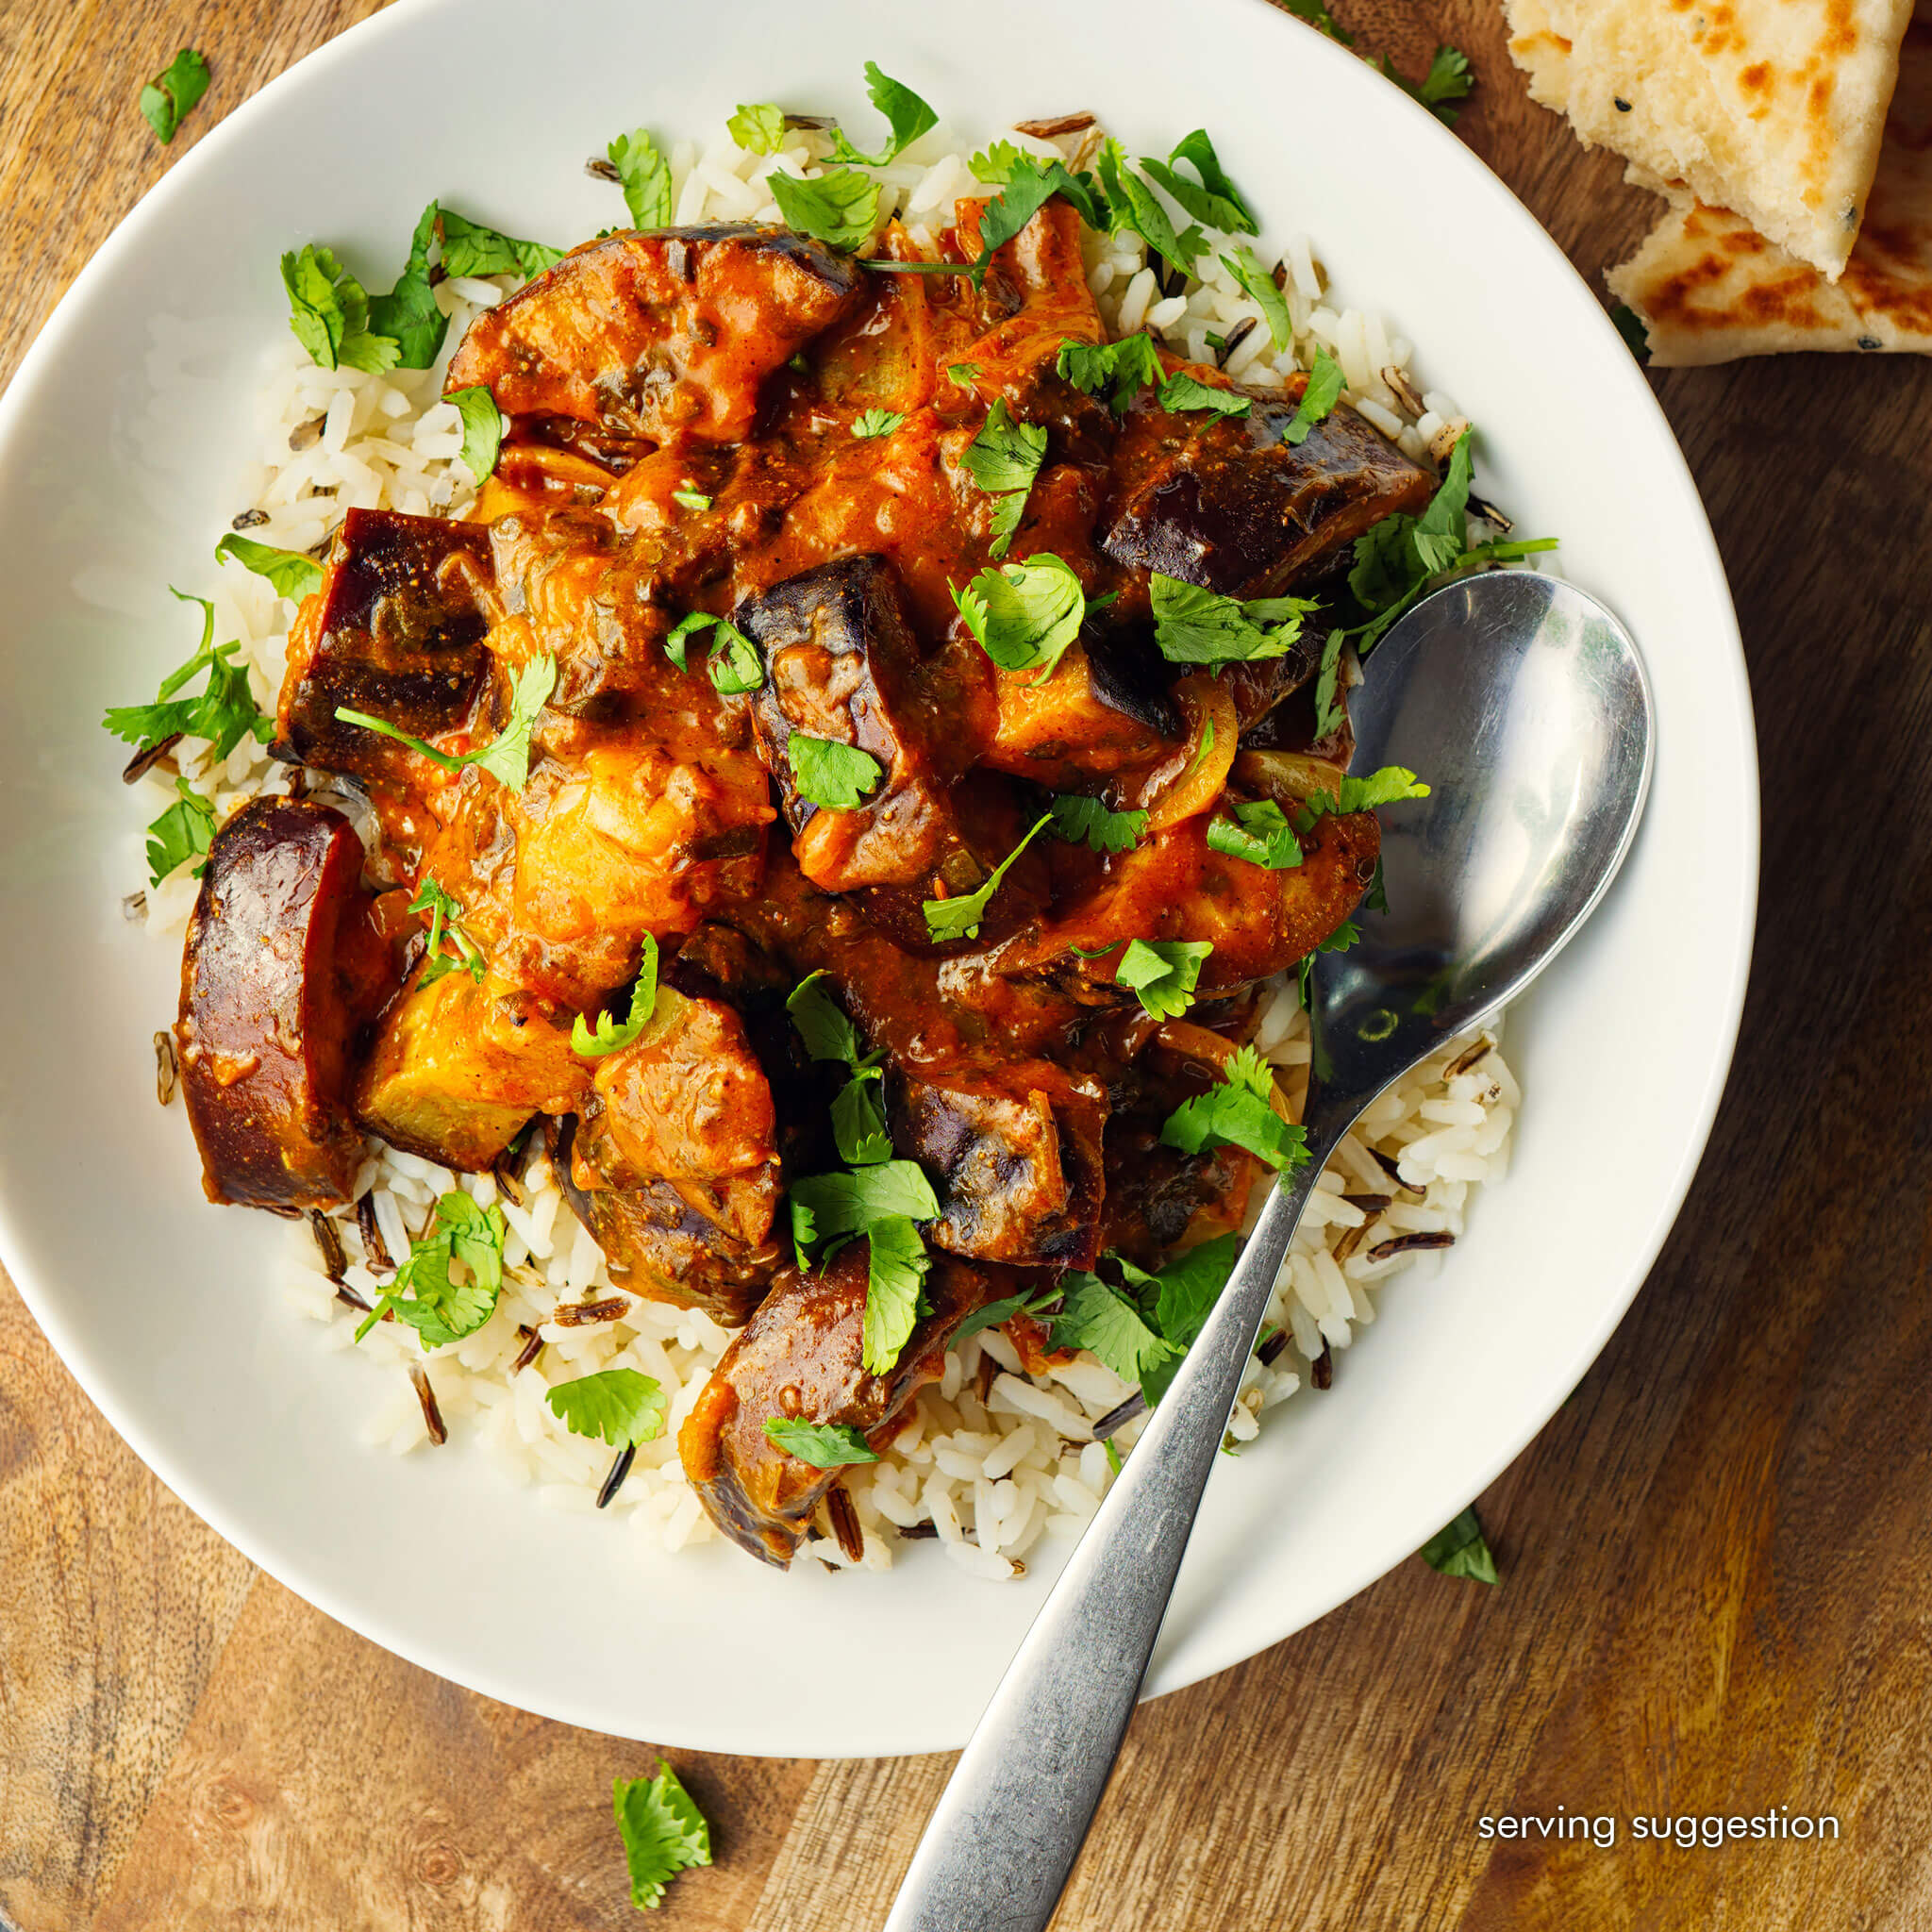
[1774, 108]
[1708, 288]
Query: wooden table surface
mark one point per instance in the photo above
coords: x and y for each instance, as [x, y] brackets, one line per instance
[1717, 1592]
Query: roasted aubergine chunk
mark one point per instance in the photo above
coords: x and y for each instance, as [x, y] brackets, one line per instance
[801, 1359]
[1229, 505]
[666, 336]
[283, 966]
[396, 632]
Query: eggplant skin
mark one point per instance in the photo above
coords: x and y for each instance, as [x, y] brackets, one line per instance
[268, 1013]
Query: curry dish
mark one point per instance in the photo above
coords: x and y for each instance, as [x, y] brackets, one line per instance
[777, 771]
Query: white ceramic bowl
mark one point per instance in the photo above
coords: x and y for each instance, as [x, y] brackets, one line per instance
[121, 442]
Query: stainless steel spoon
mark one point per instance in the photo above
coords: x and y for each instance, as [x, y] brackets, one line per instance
[1523, 704]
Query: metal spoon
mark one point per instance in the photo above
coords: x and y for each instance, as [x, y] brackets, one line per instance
[1523, 704]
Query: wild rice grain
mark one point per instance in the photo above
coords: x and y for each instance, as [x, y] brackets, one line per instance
[1469, 1057]
[1322, 1370]
[142, 763]
[619, 1470]
[1116, 1419]
[373, 1244]
[602, 170]
[1234, 339]
[584, 1314]
[306, 435]
[432, 1416]
[844, 1519]
[532, 1348]
[335, 1264]
[1386, 1163]
[1409, 1245]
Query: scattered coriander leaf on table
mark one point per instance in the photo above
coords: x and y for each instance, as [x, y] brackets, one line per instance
[825, 1445]
[623, 1407]
[1318, 16]
[664, 1833]
[166, 99]
[1447, 81]
[609, 1036]
[1460, 1549]
[959, 919]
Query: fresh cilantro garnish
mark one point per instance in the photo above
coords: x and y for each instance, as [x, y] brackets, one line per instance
[224, 713]
[1076, 820]
[1237, 1113]
[1260, 834]
[609, 1036]
[290, 573]
[1196, 626]
[507, 758]
[906, 115]
[687, 627]
[836, 776]
[328, 311]
[1120, 368]
[1182, 1295]
[1186, 391]
[994, 1313]
[166, 99]
[624, 1407]
[1163, 974]
[1025, 615]
[1216, 200]
[759, 129]
[1030, 185]
[1318, 16]
[825, 1206]
[896, 1273]
[840, 208]
[483, 427]
[1460, 1549]
[1630, 327]
[1448, 80]
[409, 314]
[1343, 937]
[959, 919]
[1135, 210]
[1105, 1323]
[1376, 898]
[735, 667]
[825, 1445]
[858, 1125]
[644, 175]
[439, 1308]
[1329, 715]
[663, 1833]
[829, 1035]
[1004, 459]
[1388, 786]
[470, 249]
[444, 911]
[872, 422]
[1324, 391]
[184, 831]
[689, 498]
[1245, 265]
[965, 373]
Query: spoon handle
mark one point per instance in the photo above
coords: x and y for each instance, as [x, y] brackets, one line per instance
[1004, 1833]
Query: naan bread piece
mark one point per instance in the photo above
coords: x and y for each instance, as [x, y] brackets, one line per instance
[1708, 288]
[1774, 108]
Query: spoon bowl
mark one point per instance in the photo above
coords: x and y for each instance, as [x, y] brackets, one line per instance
[1525, 705]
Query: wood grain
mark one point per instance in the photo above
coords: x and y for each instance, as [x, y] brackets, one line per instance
[1717, 1594]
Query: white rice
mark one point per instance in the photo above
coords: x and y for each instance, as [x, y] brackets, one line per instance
[989, 1460]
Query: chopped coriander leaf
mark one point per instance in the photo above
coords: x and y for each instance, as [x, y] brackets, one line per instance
[183, 831]
[859, 1127]
[1102, 1321]
[825, 1206]
[996, 161]
[624, 1407]
[1186, 391]
[644, 175]
[1630, 327]
[825, 1445]
[1329, 714]
[1324, 391]
[735, 667]
[872, 422]
[1025, 615]
[1003, 460]
[965, 373]
[687, 627]
[759, 129]
[1376, 898]
[328, 312]
[829, 1035]
[663, 1833]
[1460, 1549]
[470, 249]
[833, 775]
[439, 1308]
[166, 99]
[1216, 200]
[1318, 16]
[994, 1313]
[895, 1275]
[1184, 1293]
[408, 313]
[840, 208]
[690, 499]
[1081, 820]
[1237, 1113]
[1196, 626]
[959, 919]
[507, 757]
[224, 713]
[1389, 786]
[1030, 185]
[1260, 834]
[483, 427]
[906, 115]
[1163, 974]
[609, 1036]
[1245, 265]
[1121, 369]
[1448, 80]
[461, 950]
[1135, 210]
